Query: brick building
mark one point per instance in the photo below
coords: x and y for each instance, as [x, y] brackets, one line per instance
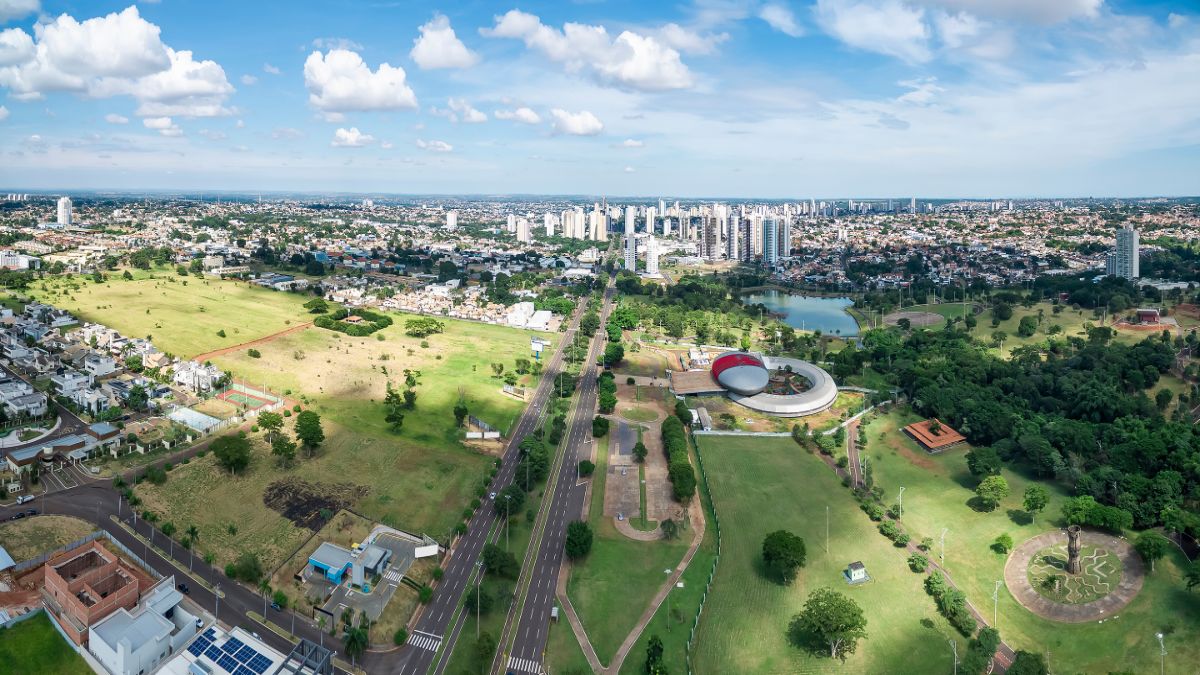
[86, 584]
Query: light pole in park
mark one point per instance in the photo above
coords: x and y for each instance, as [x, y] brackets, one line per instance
[217, 602]
[900, 515]
[954, 648]
[507, 505]
[942, 558]
[1162, 654]
[996, 605]
[478, 584]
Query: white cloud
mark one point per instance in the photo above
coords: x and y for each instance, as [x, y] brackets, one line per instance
[780, 18]
[631, 143]
[3, 113]
[213, 135]
[1176, 20]
[690, 41]
[888, 27]
[239, 124]
[460, 111]
[582, 123]
[439, 47]
[120, 54]
[15, 9]
[249, 80]
[351, 138]
[337, 43]
[434, 146]
[1036, 11]
[386, 145]
[162, 125]
[340, 82]
[286, 133]
[523, 115]
[629, 169]
[113, 118]
[631, 60]
[270, 69]
[966, 33]
[922, 91]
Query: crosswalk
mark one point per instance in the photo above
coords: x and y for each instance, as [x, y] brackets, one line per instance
[425, 641]
[525, 665]
[393, 576]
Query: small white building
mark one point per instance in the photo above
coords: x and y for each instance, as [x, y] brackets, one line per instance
[138, 642]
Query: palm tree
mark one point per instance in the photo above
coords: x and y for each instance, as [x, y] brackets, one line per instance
[265, 587]
[193, 534]
[355, 643]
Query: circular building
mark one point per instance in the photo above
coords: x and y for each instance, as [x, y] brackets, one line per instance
[741, 373]
[775, 385]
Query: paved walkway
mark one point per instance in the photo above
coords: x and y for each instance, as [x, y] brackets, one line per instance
[852, 453]
[632, 532]
[201, 358]
[1016, 578]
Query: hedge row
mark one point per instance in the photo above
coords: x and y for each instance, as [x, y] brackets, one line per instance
[372, 321]
[679, 467]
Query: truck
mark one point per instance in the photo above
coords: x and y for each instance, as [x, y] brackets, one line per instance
[23, 499]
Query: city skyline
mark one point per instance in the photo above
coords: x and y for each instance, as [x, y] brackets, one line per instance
[738, 99]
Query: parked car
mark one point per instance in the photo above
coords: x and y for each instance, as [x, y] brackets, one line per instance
[183, 588]
[275, 606]
[31, 512]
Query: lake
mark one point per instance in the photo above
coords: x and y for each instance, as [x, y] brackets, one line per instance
[827, 315]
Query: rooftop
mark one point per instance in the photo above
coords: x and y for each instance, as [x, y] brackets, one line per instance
[944, 436]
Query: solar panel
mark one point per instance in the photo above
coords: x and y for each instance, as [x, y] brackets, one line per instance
[232, 645]
[227, 663]
[243, 670]
[213, 653]
[245, 654]
[259, 664]
[210, 634]
[197, 648]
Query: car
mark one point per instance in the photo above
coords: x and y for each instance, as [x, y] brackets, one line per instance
[275, 606]
[31, 512]
[492, 495]
[620, 516]
[199, 623]
[183, 588]
[19, 516]
[624, 470]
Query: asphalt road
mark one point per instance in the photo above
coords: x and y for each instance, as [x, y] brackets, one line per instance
[527, 626]
[432, 640]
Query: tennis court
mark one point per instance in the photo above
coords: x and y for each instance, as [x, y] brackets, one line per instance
[247, 397]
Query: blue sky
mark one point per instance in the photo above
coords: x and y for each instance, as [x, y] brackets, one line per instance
[737, 98]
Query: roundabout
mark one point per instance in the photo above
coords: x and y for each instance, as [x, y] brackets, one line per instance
[1109, 576]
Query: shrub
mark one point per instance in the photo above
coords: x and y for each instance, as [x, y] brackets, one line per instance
[253, 353]
[918, 563]
[400, 637]
[1002, 544]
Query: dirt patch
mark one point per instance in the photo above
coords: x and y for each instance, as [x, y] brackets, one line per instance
[914, 318]
[1188, 310]
[301, 501]
[900, 447]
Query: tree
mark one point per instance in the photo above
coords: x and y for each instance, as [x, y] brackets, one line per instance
[1003, 543]
[500, 562]
[586, 467]
[599, 426]
[232, 452]
[284, 450]
[485, 647]
[670, 529]
[317, 306]
[138, 397]
[1028, 663]
[613, 353]
[579, 540]
[1192, 575]
[410, 399]
[829, 621]
[1152, 546]
[1036, 498]
[784, 554]
[271, 423]
[639, 452]
[509, 500]
[991, 490]
[460, 413]
[309, 431]
[355, 642]
[983, 461]
[654, 657]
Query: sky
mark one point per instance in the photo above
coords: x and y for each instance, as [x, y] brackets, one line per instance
[693, 98]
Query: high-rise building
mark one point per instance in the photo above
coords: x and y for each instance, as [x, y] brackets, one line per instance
[64, 211]
[1123, 261]
[631, 252]
[524, 235]
[451, 220]
[770, 241]
[731, 236]
[710, 237]
[630, 220]
[912, 205]
[651, 255]
[511, 224]
[548, 221]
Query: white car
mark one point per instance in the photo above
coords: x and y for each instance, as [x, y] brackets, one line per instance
[492, 496]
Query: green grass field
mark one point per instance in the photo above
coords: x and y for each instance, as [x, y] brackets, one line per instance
[34, 647]
[418, 479]
[937, 489]
[1073, 323]
[181, 319]
[763, 484]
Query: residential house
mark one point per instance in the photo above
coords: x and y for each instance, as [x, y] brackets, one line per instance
[98, 366]
[137, 642]
[197, 377]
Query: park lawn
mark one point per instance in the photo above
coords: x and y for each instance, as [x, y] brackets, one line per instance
[937, 489]
[763, 484]
[181, 319]
[1073, 323]
[31, 537]
[564, 656]
[645, 362]
[34, 647]
[614, 584]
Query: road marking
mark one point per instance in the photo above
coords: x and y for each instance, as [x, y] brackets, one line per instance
[392, 575]
[423, 641]
[524, 665]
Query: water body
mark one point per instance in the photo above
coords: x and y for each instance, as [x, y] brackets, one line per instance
[827, 315]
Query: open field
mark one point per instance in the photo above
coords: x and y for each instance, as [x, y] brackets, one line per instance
[1072, 322]
[34, 647]
[763, 484]
[31, 537]
[937, 489]
[616, 582]
[182, 319]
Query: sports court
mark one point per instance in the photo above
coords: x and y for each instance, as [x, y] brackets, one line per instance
[246, 397]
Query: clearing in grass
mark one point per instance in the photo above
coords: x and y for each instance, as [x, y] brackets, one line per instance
[34, 647]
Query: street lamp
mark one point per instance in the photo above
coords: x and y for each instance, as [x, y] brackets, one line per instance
[478, 584]
[996, 605]
[217, 602]
[1162, 654]
[954, 647]
[900, 515]
[507, 506]
[668, 571]
[942, 558]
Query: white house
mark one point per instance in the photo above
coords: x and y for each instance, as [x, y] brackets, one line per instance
[69, 381]
[196, 376]
[97, 366]
[138, 642]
